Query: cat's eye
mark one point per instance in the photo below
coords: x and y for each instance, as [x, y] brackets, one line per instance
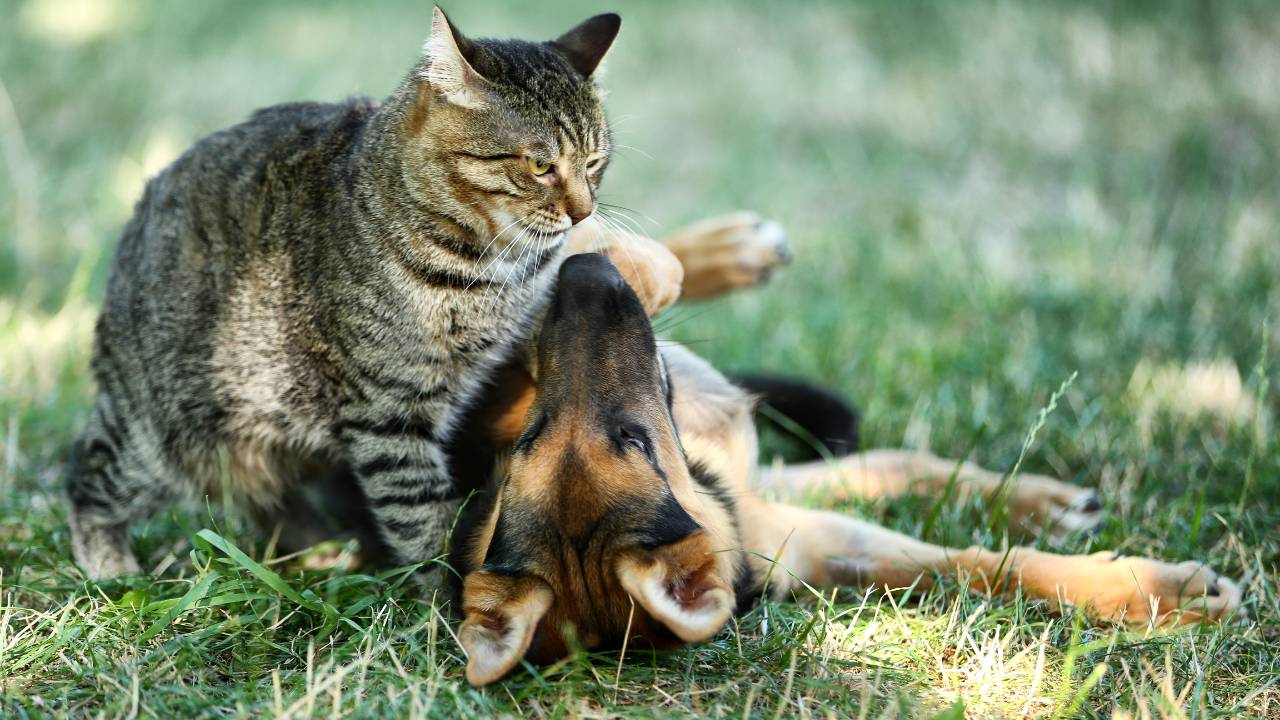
[537, 167]
[594, 163]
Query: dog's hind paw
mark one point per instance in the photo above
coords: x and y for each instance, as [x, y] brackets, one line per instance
[1135, 589]
[1084, 516]
[1039, 503]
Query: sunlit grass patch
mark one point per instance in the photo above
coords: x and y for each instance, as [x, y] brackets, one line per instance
[40, 352]
[73, 21]
[1210, 390]
[319, 643]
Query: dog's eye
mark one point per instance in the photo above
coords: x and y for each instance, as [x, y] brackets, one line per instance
[633, 439]
[525, 441]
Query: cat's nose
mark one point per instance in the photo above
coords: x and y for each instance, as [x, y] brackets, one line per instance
[575, 219]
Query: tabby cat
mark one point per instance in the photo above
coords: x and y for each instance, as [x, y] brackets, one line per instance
[331, 283]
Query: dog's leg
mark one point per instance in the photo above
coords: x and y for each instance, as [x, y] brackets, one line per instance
[1032, 500]
[728, 252]
[825, 549]
[700, 261]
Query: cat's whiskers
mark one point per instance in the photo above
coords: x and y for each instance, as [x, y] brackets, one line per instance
[533, 245]
[524, 268]
[627, 225]
[623, 216]
[607, 227]
[484, 271]
[499, 234]
[611, 207]
[542, 241]
[615, 233]
[526, 239]
[679, 317]
[621, 234]
[637, 150]
[521, 239]
[616, 123]
[602, 239]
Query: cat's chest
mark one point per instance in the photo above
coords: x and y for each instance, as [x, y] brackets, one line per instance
[461, 329]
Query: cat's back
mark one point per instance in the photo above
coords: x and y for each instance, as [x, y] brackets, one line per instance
[204, 274]
[292, 133]
[204, 216]
[304, 140]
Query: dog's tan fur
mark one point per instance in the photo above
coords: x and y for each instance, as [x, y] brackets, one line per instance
[682, 592]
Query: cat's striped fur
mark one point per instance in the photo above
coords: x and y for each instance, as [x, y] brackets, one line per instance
[331, 283]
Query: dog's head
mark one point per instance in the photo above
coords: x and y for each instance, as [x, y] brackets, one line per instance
[597, 535]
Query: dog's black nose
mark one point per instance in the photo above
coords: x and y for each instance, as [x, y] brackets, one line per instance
[596, 346]
[594, 314]
[590, 272]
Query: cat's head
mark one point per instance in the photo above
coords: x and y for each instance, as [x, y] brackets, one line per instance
[509, 137]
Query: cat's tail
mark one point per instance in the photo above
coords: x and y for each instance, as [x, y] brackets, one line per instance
[805, 411]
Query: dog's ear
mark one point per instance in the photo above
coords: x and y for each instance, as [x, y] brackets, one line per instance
[501, 616]
[679, 585]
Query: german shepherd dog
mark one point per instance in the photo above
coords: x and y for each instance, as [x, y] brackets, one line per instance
[617, 497]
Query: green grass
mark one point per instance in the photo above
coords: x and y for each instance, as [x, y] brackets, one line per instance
[984, 198]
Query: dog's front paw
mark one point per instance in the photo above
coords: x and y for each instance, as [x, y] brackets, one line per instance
[648, 266]
[728, 252]
[650, 269]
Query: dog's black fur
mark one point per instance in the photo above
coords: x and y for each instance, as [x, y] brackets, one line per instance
[818, 412]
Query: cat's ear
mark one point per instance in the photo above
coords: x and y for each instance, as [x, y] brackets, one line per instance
[502, 614]
[448, 71]
[587, 43]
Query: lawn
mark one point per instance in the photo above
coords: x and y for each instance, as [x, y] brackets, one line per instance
[987, 201]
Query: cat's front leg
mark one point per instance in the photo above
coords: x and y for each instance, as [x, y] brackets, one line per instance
[401, 467]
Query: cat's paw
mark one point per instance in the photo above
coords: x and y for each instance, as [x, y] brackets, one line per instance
[106, 567]
[102, 551]
[729, 252]
[331, 555]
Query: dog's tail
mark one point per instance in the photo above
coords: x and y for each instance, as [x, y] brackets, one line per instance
[804, 410]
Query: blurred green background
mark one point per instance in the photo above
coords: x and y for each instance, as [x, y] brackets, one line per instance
[984, 198]
[1056, 188]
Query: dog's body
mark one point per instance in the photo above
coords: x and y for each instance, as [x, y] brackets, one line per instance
[628, 505]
